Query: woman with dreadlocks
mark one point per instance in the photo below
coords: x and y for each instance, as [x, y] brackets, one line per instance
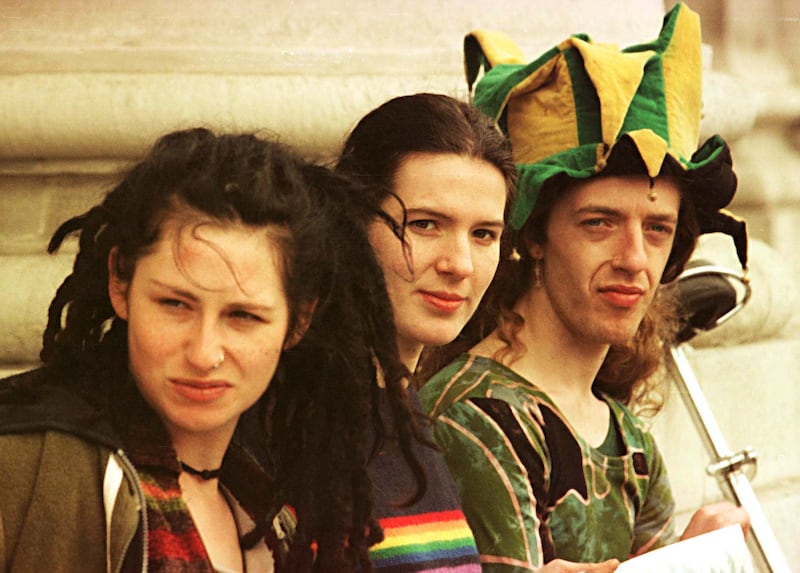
[223, 308]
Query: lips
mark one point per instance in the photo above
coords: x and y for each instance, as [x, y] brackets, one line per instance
[623, 296]
[443, 301]
[200, 390]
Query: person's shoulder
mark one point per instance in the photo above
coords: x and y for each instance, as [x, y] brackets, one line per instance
[452, 380]
[26, 376]
[624, 414]
[33, 401]
[635, 429]
[19, 384]
[468, 376]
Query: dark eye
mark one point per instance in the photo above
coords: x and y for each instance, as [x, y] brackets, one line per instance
[486, 235]
[596, 222]
[661, 228]
[423, 224]
[246, 316]
[172, 303]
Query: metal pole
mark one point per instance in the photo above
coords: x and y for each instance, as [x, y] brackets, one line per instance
[728, 467]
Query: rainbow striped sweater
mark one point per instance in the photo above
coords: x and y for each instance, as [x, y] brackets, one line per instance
[430, 536]
[436, 541]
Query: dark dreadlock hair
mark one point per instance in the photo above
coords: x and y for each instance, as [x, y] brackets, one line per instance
[314, 419]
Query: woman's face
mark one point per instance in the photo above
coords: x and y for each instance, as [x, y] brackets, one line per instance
[455, 210]
[201, 293]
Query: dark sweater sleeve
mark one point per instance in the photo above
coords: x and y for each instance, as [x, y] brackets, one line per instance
[429, 535]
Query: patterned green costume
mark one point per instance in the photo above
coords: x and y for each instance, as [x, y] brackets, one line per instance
[532, 489]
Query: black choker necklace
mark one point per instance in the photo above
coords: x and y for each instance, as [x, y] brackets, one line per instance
[203, 474]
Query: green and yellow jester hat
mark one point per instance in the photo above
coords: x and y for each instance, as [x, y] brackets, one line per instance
[567, 112]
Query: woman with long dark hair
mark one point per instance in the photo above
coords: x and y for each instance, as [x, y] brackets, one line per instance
[433, 172]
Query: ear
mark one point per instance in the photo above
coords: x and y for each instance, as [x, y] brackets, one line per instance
[117, 288]
[528, 246]
[535, 250]
[304, 317]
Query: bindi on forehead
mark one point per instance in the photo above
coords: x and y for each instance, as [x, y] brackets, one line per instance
[614, 190]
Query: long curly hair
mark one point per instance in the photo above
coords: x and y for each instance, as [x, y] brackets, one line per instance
[316, 415]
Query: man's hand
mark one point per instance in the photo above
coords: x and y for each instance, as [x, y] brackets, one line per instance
[717, 516]
[561, 566]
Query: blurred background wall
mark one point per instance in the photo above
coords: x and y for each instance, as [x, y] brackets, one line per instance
[86, 86]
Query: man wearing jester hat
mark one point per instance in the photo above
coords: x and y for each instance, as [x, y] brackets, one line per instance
[535, 418]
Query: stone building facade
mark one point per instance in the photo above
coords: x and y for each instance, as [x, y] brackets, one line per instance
[86, 86]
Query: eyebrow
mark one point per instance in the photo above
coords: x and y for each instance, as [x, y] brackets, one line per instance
[426, 211]
[249, 306]
[666, 216]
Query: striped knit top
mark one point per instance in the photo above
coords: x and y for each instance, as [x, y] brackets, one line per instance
[430, 536]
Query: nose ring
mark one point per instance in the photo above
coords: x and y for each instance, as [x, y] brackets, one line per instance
[221, 360]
